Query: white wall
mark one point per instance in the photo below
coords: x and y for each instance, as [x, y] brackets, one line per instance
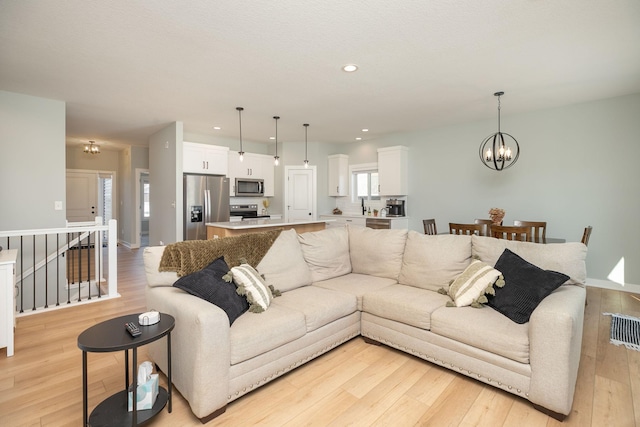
[32, 165]
[165, 176]
[578, 166]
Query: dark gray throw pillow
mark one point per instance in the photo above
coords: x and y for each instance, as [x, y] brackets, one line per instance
[209, 285]
[526, 285]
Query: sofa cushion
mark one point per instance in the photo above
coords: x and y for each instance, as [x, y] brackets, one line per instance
[209, 285]
[283, 266]
[253, 334]
[376, 252]
[355, 284]
[567, 258]
[483, 328]
[320, 306]
[151, 258]
[253, 287]
[326, 252]
[526, 285]
[432, 262]
[405, 304]
[473, 283]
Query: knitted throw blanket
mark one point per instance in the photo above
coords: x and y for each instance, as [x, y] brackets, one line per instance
[193, 255]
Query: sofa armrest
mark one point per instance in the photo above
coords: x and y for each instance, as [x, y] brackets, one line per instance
[200, 347]
[555, 343]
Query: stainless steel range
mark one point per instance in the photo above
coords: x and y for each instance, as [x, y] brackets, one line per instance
[246, 212]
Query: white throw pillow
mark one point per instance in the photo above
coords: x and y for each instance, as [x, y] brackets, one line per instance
[251, 285]
[472, 283]
[283, 266]
[326, 252]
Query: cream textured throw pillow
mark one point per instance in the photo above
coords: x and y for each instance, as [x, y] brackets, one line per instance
[473, 283]
[326, 252]
[283, 266]
[251, 285]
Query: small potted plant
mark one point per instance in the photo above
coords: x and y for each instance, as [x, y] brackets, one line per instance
[496, 215]
[375, 212]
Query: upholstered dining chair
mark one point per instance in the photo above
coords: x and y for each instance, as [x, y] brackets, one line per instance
[511, 232]
[486, 226]
[430, 226]
[538, 230]
[468, 229]
[586, 235]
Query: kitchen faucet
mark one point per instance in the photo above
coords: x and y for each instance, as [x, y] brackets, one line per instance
[363, 210]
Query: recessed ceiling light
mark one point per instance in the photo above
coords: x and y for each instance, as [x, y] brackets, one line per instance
[216, 127]
[350, 68]
[365, 130]
[358, 139]
[272, 137]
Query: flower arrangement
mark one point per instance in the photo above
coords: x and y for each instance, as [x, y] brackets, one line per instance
[496, 215]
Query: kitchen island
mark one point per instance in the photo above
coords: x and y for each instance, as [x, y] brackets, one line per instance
[223, 229]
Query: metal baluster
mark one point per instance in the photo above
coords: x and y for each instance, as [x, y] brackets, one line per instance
[33, 248]
[69, 270]
[46, 271]
[89, 264]
[57, 269]
[79, 265]
[21, 276]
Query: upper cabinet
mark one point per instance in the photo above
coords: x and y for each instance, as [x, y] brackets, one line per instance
[255, 166]
[204, 158]
[393, 174]
[338, 175]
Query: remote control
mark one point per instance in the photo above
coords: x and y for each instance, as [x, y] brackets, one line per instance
[132, 329]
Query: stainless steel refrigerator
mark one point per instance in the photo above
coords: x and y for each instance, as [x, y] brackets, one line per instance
[206, 199]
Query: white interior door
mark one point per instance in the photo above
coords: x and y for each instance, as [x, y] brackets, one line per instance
[82, 196]
[300, 194]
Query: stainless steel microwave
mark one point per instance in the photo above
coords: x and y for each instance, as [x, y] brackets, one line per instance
[249, 187]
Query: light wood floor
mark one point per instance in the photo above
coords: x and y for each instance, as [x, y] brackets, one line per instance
[355, 384]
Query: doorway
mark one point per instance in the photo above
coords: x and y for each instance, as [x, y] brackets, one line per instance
[143, 211]
[300, 195]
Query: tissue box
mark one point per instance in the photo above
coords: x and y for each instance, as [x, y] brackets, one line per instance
[147, 394]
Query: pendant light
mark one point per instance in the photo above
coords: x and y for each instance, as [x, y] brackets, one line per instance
[306, 161]
[276, 159]
[494, 151]
[240, 153]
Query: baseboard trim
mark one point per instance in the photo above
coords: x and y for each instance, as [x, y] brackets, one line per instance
[608, 284]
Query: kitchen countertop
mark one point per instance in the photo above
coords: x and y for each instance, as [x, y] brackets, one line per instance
[357, 215]
[262, 223]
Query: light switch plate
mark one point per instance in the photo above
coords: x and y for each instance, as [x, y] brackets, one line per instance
[57, 205]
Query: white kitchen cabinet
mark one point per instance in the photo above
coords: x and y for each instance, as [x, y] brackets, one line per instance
[254, 166]
[204, 158]
[393, 174]
[7, 303]
[338, 175]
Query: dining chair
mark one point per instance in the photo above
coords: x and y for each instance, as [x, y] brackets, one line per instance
[467, 229]
[538, 230]
[430, 226]
[586, 235]
[511, 232]
[486, 226]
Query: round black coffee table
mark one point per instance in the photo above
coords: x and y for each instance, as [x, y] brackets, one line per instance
[111, 335]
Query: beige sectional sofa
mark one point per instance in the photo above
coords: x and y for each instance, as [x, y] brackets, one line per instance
[339, 283]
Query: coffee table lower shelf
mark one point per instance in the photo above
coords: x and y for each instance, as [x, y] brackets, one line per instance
[113, 410]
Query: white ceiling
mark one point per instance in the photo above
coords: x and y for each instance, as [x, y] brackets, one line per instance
[128, 68]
